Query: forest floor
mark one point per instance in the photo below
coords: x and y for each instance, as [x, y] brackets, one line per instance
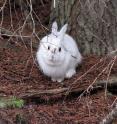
[20, 77]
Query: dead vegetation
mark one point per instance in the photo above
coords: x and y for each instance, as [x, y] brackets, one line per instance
[85, 98]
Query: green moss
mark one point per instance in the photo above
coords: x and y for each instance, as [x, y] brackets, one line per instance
[12, 102]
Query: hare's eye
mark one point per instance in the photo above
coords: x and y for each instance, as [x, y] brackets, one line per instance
[48, 47]
[59, 49]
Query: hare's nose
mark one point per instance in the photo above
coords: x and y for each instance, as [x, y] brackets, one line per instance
[54, 50]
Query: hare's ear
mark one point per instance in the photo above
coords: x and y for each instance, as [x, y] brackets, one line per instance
[63, 31]
[54, 28]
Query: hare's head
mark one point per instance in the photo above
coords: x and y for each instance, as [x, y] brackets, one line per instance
[53, 46]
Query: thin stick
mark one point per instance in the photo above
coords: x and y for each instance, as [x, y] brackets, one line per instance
[54, 3]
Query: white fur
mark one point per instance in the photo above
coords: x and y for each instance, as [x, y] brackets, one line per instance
[54, 63]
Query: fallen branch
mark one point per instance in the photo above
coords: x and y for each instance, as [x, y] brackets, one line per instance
[5, 31]
[65, 91]
[43, 92]
[111, 82]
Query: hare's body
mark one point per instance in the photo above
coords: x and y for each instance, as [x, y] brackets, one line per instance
[58, 56]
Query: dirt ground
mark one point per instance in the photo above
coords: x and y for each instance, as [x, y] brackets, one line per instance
[19, 74]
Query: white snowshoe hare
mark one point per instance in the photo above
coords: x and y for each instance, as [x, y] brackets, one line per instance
[58, 54]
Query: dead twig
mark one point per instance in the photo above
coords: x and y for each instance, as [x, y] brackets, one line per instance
[110, 117]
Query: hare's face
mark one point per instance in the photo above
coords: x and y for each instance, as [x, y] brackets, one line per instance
[54, 53]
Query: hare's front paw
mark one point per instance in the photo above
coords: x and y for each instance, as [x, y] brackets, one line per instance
[70, 73]
[58, 80]
[53, 79]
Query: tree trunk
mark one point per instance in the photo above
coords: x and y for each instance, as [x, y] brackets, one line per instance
[92, 23]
